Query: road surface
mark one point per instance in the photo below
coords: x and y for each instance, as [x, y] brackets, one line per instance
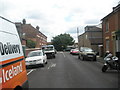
[67, 71]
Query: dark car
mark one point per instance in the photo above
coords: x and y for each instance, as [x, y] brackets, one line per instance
[87, 54]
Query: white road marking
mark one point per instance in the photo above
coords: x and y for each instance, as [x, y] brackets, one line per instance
[49, 67]
[60, 52]
[63, 54]
[52, 65]
[30, 71]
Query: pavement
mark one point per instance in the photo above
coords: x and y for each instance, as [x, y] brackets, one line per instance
[100, 59]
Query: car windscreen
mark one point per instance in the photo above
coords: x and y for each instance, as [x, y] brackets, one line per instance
[88, 50]
[48, 48]
[75, 50]
[31, 54]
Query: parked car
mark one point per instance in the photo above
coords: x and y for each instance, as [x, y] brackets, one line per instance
[87, 54]
[74, 51]
[69, 48]
[37, 57]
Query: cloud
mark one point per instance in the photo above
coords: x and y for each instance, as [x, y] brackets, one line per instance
[72, 30]
[35, 15]
[68, 18]
[57, 16]
[92, 21]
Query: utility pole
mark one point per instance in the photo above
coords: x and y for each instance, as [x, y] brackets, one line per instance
[78, 36]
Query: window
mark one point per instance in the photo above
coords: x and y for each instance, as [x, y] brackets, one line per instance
[118, 44]
[107, 44]
[107, 26]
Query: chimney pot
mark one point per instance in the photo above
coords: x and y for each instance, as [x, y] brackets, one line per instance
[37, 27]
[24, 21]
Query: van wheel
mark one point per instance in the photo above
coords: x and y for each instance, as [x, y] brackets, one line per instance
[18, 88]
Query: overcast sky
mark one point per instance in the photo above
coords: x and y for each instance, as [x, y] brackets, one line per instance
[57, 16]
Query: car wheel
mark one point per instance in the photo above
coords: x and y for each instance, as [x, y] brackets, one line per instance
[94, 59]
[54, 56]
[78, 56]
[46, 62]
[43, 65]
[82, 58]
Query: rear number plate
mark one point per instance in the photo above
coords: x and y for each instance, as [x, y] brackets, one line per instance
[90, 55]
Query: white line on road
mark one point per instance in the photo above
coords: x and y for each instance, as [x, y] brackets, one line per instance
[49, 67]
[52, 65]
[63, 54]
[30, 71]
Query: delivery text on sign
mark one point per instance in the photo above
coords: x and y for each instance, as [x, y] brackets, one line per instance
[6, 49]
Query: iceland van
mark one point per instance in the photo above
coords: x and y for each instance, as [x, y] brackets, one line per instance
[13, 73]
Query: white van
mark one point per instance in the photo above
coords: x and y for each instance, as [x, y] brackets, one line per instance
[49, 50]
[12, 64]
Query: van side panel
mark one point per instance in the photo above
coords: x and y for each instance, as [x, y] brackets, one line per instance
[0, 78]
[14, 74]
[12, 63]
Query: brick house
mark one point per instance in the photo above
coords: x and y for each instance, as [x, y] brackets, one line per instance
[92, 38]
[28, 32]
[111, 31]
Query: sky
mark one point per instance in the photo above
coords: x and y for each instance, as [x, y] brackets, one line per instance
[55, 17]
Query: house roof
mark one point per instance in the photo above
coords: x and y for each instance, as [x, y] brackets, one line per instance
[29, 30]
[115, 9]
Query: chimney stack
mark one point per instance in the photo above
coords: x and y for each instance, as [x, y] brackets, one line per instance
[37, 27]
[118, 2]
[24, 21]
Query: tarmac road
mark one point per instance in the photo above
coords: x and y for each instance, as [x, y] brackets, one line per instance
[67, 71]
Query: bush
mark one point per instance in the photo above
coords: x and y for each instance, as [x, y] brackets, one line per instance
[31, 44]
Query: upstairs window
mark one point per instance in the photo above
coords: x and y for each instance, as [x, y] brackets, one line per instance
[107, 26]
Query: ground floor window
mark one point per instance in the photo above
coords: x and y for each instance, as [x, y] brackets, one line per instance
[118, 44]
[107, 44]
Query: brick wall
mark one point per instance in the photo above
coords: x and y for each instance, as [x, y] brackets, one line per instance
[32, 49]
[114, 24]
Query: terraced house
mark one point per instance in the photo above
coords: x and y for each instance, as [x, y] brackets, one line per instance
[92, 38]
[111, 31]
[28, 32]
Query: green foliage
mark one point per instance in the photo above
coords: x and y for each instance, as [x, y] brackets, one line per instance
[31, 44]
[62, 41]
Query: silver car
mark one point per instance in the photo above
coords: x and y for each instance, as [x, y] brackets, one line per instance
[87, 54]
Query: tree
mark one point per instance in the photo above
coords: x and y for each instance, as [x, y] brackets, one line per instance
[31, 44]
[62, 41]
